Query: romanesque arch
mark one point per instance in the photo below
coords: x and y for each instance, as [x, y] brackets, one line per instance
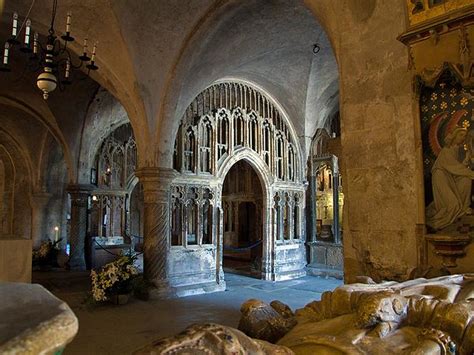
[17, 198]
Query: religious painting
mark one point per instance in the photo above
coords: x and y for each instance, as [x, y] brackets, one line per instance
[446, 121]
[420, 11]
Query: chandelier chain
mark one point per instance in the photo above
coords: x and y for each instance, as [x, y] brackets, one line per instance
[53, 17]
[26, 18]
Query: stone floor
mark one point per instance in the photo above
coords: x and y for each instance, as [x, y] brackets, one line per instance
[113, 329]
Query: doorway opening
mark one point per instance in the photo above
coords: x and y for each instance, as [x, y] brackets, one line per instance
[243, 228]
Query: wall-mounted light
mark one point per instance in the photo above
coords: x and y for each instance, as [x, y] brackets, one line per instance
[316, 48]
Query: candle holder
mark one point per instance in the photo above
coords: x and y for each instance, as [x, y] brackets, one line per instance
[53, 62]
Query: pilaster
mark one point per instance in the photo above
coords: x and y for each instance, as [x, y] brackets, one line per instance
[79, 199]
[38, 201]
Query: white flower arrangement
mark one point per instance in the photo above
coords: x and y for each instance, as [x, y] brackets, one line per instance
[113, 278]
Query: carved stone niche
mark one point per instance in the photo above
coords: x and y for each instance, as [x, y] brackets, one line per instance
[449, 247]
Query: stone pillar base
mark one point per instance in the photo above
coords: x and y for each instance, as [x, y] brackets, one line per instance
[197, 289]
[162, 291]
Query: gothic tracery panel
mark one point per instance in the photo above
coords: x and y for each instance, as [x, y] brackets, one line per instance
[115, 165]
[116, 159]
[192, 215]
[216, 210]
[227, 117]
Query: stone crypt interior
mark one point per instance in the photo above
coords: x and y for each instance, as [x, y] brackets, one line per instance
[241, 149]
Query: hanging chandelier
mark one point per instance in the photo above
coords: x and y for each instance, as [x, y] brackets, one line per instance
[53, 61]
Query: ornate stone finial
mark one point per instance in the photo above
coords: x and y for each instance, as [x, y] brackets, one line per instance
[434, 35]
[464, 50]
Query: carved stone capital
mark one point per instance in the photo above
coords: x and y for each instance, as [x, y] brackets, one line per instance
[156, 183]
[79, 194]
[154, 174]
[80, 188]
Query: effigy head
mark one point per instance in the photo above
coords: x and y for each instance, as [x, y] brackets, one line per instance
[262, 321]
[385, 306]
[252, 304]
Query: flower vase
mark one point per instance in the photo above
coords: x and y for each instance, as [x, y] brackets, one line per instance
[120, 298]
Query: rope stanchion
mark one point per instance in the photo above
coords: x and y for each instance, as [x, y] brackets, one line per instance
[117, 255]
[244, 248]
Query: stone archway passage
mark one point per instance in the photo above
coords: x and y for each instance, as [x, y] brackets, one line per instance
[242, 203]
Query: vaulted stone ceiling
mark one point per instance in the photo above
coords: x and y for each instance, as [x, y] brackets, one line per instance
[155, 56]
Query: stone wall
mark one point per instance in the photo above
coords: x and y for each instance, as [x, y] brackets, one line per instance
[378, 143]
[441, 62]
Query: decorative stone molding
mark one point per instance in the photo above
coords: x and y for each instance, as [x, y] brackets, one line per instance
[449, 247]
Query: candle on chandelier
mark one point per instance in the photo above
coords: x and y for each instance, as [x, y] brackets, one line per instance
[68, 69]
[93, 51]
[5, 53]
[15, 24]
[85, 46]
[68, 22]
[56, 233]
[27, 32]
[35, 43]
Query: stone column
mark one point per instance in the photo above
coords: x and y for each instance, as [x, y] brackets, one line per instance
[39, 201]
[270, 236]
[290, 217]
[335, 204]
[312, 225]
[79, 197]
[156, 189]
